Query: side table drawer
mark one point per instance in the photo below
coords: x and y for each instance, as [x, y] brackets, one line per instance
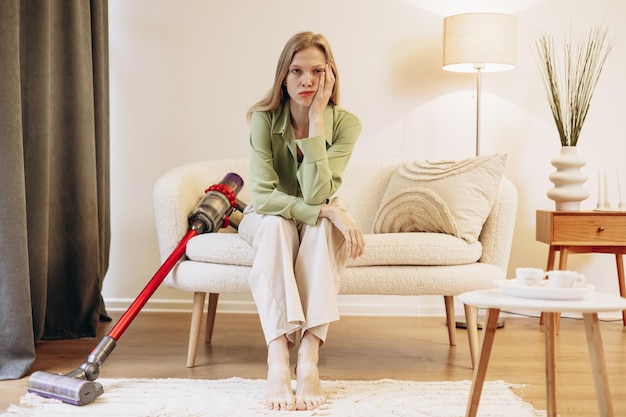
[596, 229]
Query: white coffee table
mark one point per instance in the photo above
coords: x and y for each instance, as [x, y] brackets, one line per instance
[593, 303]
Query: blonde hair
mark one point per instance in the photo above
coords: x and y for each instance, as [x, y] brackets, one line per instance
[299, 41]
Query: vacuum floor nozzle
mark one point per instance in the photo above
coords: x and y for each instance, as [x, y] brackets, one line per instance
[65, 388]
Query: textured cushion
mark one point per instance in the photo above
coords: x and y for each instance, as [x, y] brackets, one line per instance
[382, 249]
[451, 197]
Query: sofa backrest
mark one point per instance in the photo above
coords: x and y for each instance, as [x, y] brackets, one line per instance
[364, 184]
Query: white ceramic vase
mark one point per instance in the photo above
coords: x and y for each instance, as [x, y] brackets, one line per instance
[568, 179]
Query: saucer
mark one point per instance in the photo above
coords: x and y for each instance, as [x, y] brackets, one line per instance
[545, 292]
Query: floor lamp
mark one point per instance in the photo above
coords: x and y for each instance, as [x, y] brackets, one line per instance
[479, 42]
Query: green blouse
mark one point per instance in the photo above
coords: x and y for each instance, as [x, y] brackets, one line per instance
[279, 184]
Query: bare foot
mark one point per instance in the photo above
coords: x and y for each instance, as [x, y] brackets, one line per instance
[278, 394]
[309, 393]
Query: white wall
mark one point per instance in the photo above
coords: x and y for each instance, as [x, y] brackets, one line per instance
[183, 74]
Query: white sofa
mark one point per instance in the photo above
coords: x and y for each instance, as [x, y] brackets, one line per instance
[423, 263]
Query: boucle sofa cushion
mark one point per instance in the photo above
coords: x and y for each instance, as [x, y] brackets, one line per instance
[451, 197]
[382, 249]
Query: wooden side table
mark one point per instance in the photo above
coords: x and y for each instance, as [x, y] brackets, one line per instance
[571, 232]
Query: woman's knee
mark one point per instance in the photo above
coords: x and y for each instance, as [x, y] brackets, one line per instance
[277, 223]
[277, 228]
[323, 228]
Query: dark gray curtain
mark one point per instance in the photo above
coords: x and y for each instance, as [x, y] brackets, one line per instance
[54, 172]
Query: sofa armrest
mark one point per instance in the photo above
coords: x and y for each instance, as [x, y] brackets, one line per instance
[497, 234]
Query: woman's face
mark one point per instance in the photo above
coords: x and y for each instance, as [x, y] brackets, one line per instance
[305, 70]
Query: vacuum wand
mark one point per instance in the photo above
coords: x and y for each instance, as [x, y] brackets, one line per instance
[209, 215]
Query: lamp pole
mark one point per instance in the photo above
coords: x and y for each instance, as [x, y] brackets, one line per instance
[478, 68]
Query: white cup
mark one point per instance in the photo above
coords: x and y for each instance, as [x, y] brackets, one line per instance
[529, 276]
[565, 279]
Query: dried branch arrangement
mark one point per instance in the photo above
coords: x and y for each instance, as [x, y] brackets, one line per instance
[570, 75]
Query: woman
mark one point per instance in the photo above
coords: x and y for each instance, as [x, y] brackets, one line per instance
[301, 142]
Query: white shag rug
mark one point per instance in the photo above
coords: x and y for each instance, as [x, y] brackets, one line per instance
[236, 397]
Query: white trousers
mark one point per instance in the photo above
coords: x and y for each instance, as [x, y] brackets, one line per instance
[296, 273]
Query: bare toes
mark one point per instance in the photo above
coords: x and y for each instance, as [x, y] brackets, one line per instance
[309, 404]
[280, 405]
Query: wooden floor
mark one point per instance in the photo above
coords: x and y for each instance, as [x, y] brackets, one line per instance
[358, 348]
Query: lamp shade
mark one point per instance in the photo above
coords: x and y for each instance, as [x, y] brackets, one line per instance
[485, 41]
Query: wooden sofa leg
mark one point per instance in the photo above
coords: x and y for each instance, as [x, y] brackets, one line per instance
[194, 330]
[450, 319]
[471, 318]
[210, 317]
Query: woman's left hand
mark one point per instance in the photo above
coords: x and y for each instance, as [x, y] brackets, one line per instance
[355, 242]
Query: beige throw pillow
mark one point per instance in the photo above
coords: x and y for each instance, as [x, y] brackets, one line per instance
[452, 197]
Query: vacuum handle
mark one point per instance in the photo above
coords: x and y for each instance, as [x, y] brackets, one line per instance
[208, 215]
[151, 287]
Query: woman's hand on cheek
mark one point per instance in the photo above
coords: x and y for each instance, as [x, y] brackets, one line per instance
[324, 91]
[329, 82]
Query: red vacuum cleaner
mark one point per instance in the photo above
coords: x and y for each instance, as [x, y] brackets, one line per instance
[79, 387]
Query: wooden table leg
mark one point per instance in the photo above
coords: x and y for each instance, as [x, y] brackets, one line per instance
[471, 319]
[620, 280]
[598, 364]
[550, 333]
[478, 379]
[549, 267]
[551, 257]
[563, 258]
[562, 266]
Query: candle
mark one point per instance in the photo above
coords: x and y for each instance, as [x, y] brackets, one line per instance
[606, 191]
[619, 187]
[600, 197]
